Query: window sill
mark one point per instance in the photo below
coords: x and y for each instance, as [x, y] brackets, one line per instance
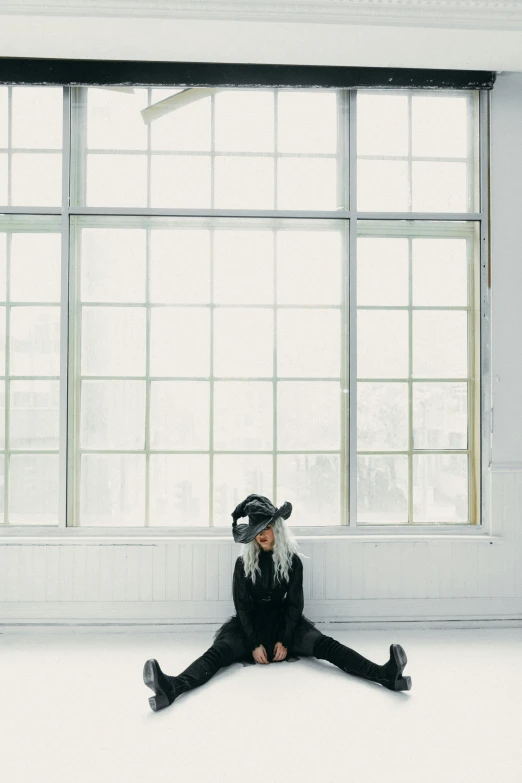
[375, 533]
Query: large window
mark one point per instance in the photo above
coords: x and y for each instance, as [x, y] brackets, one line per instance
[210, 292]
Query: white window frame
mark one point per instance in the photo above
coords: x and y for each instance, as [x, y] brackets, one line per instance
[483, 530]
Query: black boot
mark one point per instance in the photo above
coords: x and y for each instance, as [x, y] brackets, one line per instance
[392, 670]
[351, 662]
[167, 688]
[164, 687]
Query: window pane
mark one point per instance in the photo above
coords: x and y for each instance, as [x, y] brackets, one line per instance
[113, 341]
[382, 271]
[36, 179]
[382, 186]
[307, 121]
[307, 183]
[440, 488]
[184, 130]
[2, 422]
[180, 266]
[439, 272]
[308, 343]
[179, 415]
[3, 266]
[35, 271]
[112, 490]
[2, 488]
[308, 415]
[3, 178]
[179, 490]
[440, 187]
[35, 340]
[37, 117]
[382, 416]
[440, 126]
[180, 341]
[112, 415]
[3, 117]
[113, 265]
[114, 121]
[116, 180]
[244, 121]
[33, 489]
[243, 342]
[244, 181]
[235, 477]
[180, 181]
[312, 484]
[309, 267]
[440, 343]
[382, 489]
[243, 415]
[382, 124]
[382, 344]
[440, 416]
[243, 267]
[34, 414]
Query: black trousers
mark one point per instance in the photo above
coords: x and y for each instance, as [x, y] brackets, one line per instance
[313, 644]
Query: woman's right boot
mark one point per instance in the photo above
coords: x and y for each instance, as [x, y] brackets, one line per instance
[167, 688]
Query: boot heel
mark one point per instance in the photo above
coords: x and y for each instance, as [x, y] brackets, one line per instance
[148, 674]
[158, 702]
[403, 684]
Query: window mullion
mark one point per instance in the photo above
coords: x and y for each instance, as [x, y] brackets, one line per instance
[351, 299]
[63, 486]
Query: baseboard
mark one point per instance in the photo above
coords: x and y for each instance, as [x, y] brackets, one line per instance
[209, 615]
[67, 626]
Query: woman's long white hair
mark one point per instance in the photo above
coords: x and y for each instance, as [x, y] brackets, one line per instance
[285, 546]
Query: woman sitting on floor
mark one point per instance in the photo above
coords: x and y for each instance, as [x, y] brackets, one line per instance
[269, 625]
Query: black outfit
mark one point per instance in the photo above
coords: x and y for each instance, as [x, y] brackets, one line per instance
[268, 612]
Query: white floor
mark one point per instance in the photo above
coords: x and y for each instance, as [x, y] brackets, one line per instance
[74, 708]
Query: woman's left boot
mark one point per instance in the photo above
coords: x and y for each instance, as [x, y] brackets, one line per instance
[389, 675]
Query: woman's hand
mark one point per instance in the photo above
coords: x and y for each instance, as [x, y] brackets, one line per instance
[280, 652]
[259, 654]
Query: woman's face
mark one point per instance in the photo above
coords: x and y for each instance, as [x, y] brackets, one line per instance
[265, 538]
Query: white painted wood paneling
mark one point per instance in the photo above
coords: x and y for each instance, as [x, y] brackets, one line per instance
[145, 566]
[52, 572]
[172, 572]
[92, 573]
[159, 573]
[212, 573]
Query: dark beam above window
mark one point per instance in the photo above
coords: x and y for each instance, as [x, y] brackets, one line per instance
[21, 70]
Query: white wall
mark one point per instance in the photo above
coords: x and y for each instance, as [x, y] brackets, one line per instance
[254, 41]
[344, 580]
[349, 580]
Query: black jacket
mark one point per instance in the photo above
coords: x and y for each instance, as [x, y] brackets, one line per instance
[267, 611]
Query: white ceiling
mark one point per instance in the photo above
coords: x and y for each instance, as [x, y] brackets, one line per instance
[464, 34]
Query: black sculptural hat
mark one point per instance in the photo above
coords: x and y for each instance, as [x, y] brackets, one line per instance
[261, 512]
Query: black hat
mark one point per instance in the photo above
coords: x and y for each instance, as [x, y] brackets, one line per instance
[260, 512]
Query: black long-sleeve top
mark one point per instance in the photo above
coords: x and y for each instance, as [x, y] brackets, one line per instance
[268, 611]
